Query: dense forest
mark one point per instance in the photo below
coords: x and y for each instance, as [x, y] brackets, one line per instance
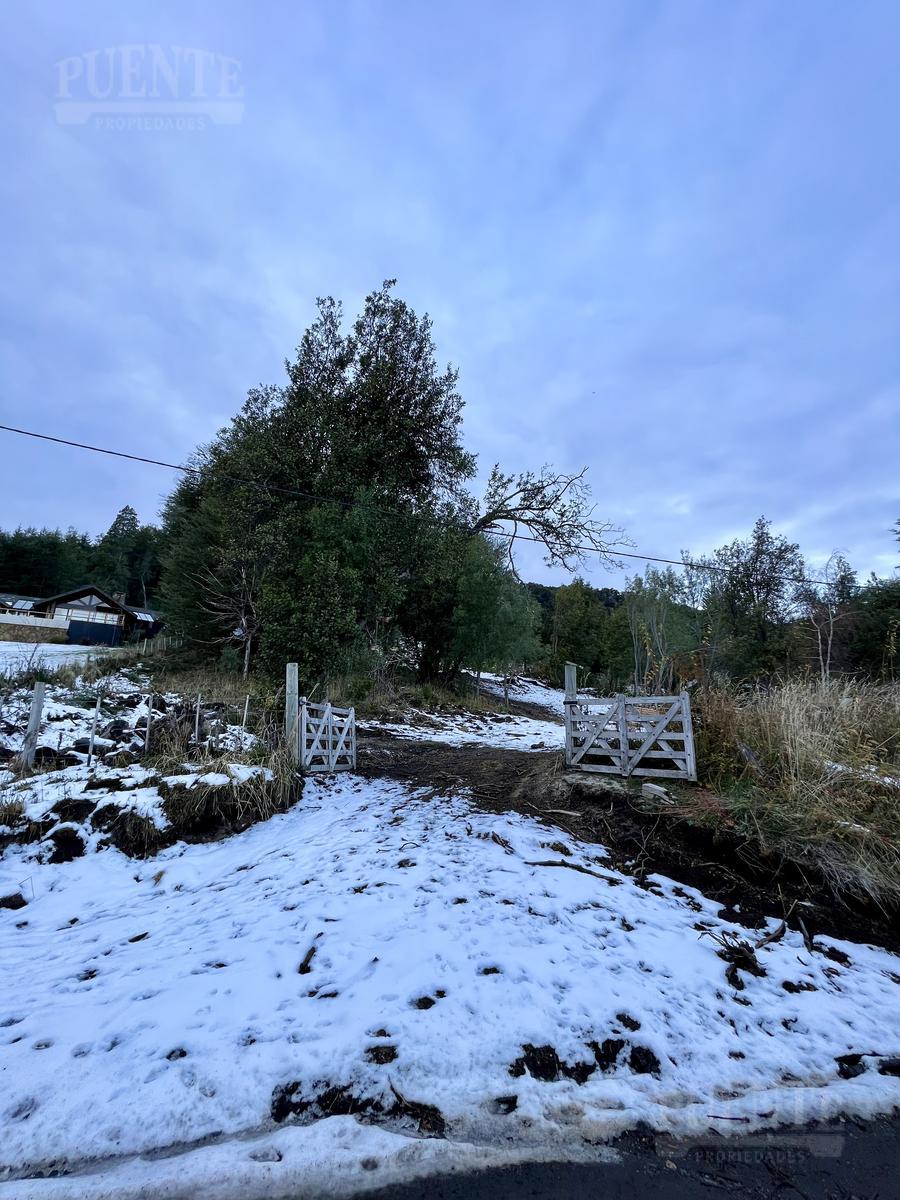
[45, 562]
[746, 612]
[332, 523]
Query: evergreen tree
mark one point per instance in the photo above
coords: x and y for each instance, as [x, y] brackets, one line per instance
[114, 549]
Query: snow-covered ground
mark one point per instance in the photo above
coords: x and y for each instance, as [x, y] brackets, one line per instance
[392, 944]
[525, 690]
[22, 656]
[502, 730]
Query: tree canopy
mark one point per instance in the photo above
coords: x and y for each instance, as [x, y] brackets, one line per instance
[332, 516]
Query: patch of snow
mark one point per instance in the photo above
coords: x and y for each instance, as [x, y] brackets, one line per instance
[150, 1005]
[528, 691]
[335, 1157]
[503, 731]
[870, 774]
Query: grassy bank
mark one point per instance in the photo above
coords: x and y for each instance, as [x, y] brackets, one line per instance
[807, 772]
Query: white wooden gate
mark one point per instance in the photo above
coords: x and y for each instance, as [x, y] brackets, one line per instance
[630, 735]
[326, 737]
[321, 736]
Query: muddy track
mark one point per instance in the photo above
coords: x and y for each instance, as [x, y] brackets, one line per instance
[603, 809]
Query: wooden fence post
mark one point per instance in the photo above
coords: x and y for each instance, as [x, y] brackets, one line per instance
[246, 713]
[571, 683]
[291, 701]
[93, 733]
[29, 745]
[149, 718]
[197, 720]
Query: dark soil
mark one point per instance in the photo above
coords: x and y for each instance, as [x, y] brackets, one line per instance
[289, 1100]
[606, 810]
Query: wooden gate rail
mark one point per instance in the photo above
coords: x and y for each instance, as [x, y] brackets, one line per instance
[629, 735]
[321, 737]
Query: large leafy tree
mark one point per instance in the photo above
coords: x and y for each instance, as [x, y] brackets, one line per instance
[324, 489]
[341, 494]
[753, 596]
[495, 619]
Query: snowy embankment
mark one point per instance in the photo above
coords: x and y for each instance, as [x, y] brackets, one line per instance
[16, 657]
[404, 957]
[501, 730]
[69, 808]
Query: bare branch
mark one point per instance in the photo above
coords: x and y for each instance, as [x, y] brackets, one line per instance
[556, 510]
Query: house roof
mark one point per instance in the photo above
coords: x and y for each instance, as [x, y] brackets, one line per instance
[86, 590]
[12, 600]
[143, 614]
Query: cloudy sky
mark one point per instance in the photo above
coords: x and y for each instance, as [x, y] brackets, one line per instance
[659, 239]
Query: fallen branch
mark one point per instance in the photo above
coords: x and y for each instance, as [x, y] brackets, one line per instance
[775, 936]
[305, 968]
[552, 862]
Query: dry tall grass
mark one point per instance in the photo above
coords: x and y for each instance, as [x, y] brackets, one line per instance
[810, 771]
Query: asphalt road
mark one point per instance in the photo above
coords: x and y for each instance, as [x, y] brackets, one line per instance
[843, 1161]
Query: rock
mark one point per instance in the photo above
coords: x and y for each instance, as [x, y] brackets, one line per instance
[67, 844]
[105, 785]
[119, 758]
[14, 900]
[655, 792]
[850, 1065]
[46, 756]
[75, 811]
[607, 1052]
[643, 1061]
[541, 1062]
[115, 731]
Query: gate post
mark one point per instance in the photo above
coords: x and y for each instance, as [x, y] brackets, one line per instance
[690, 759]
[571, 683]
[569, 708]
[291, 699]
[300, 742]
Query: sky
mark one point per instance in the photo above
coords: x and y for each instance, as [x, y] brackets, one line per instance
[660, 240]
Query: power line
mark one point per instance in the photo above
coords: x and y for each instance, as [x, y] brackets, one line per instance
[273, 487]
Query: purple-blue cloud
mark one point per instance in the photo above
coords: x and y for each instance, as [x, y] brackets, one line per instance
[659, 239]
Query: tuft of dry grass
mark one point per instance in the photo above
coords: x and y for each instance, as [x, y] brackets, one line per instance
[273, 787]
[131, 832]
[810, 772]
[11, 811]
